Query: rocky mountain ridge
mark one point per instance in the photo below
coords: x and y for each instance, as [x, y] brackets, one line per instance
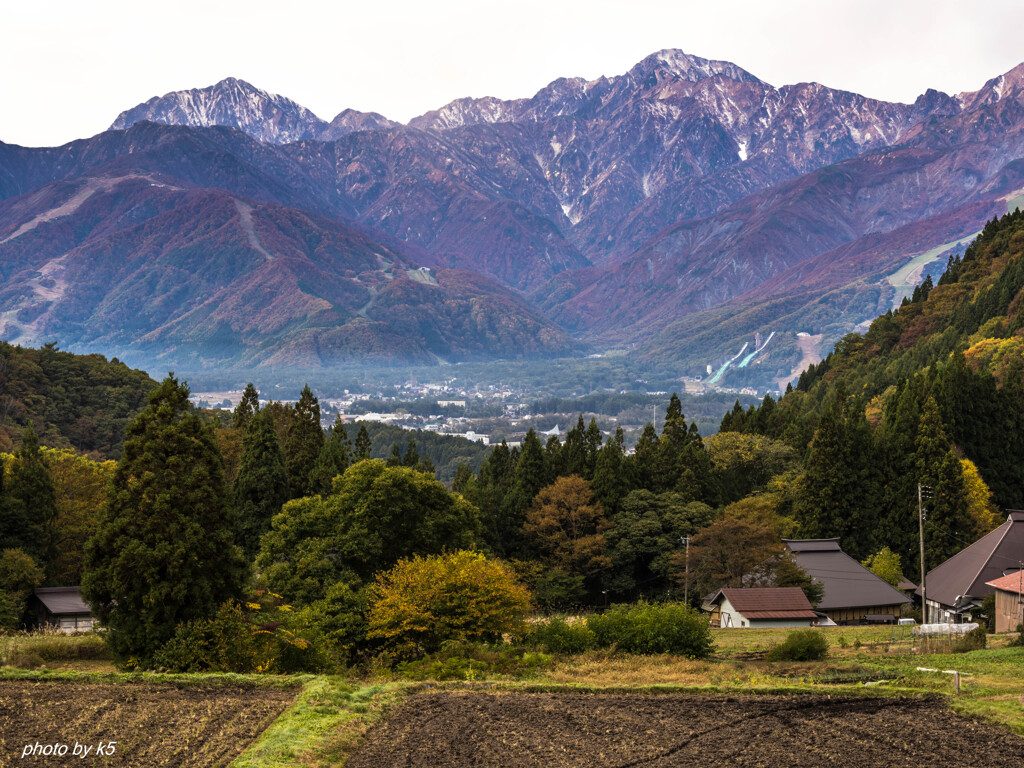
[620, 206]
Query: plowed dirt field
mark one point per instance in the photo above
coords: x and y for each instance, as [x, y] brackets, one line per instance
[151, 724]
[605, 731]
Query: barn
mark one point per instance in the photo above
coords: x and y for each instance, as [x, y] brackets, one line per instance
[760, 607]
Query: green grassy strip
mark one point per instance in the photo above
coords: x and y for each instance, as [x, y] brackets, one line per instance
[898, 278]
[324, 725]
[210, 679]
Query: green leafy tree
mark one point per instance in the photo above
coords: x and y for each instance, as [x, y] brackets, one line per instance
[30, 490]
[19, 576]
[528, 477]
[885, 564]
[644, 538]
[9, 616]
[80, 486]
[164, 549]
[302, 448]
[261, 487]
[375, 516]
[247, 407]
[575, 454]
[949, 525]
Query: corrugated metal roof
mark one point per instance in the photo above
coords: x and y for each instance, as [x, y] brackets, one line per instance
[967, 573]
[766, 599]
[780, 614]
[62, 600]
[1011, 582]
[812, 545]
[847, 583]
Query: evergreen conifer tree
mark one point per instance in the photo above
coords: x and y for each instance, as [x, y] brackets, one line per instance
[363, 443]
[247, 407]
[261, 486]
[574, 452]
[395, 459]
[645, 461]
[610, 484]
[302, 448]
[411, 457]
[841, 487]
[464, 482]
[949, 527]
[163, 552]
[31, 492]
[333, 460]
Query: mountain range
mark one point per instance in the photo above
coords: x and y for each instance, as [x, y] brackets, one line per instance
[681, 210]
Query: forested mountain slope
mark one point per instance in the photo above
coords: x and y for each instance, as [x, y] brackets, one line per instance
[932, 391]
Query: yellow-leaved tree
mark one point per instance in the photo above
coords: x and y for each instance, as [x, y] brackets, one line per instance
[424, 602]
[983, 513]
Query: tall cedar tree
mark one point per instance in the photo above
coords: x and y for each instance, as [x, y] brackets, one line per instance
[247, 407]
[528, 477]
[645, 459]
[897, 527]
[13, 523]
[261, 487]
[610, 483]
[841, 486]
[395, 459]
[575, 458]
[333, 460]
[493, 487]
[949, 527]
[302, 448]
[164, 551]
[30, 491]
[363, 444]
[411, 457]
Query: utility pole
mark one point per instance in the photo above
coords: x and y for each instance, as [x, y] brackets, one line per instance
[1020, 593]
[920, 526]
[686, 579]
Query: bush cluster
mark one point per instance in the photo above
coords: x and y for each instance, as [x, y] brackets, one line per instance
[652, 628]
[801, 645]
[974, 640]
[236, 641]
[643, 628]
[559, 636]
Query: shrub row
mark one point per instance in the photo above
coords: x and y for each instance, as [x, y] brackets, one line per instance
[644, 628]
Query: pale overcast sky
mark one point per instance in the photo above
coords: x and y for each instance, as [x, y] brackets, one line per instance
[68, 68]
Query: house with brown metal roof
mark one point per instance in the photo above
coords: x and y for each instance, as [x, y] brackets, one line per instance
[760, 607]
[853, 594]
[956, 588]
[1009, 591]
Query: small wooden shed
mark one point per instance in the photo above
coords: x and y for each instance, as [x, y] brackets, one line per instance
[1009, 591]
[760, 607]
[61, 607]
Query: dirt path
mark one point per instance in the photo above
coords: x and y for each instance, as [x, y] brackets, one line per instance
[622, 731]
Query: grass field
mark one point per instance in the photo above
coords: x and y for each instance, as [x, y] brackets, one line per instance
[326, 720]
